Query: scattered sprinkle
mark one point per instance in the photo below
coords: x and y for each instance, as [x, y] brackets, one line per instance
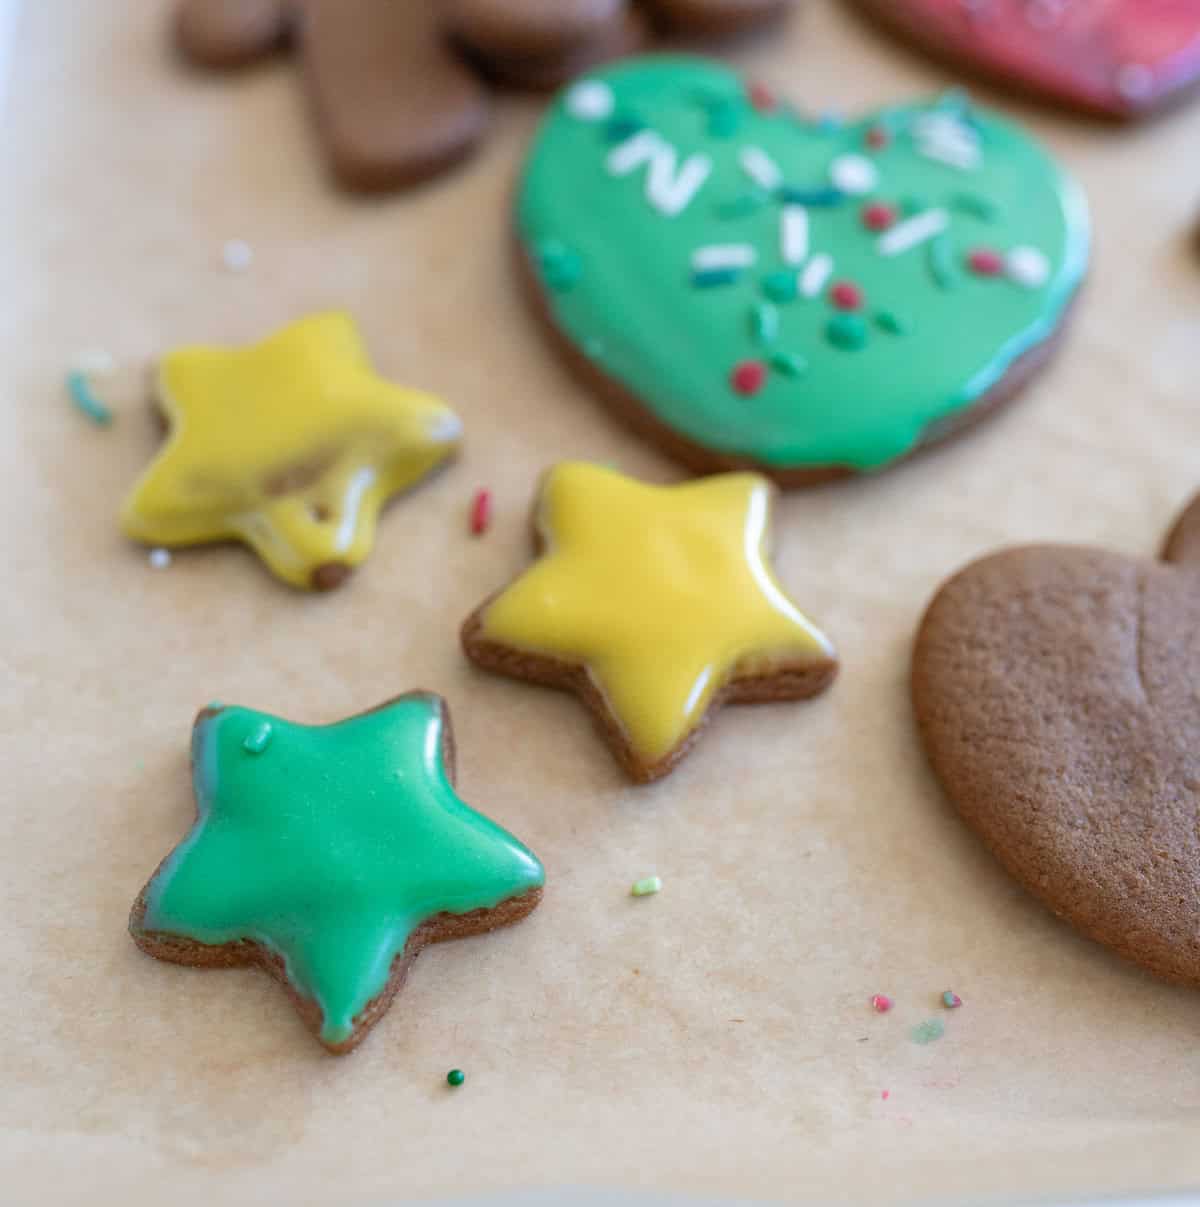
[257, 740]
[913, 232]
[764, 322]
[590, 100]
[723, 255]
[881, 1003]
[711, 277]
[85, 400]
[928, 1032]
[892, 323]
[159, 559]
[646, 887]
[879, 217]
[790, 364]
[760, 167]
[237, 255]
[781, 286]
[816, 275]
[885, 1095]
[481, 512]
[854, 174]
[819, 197]
[761, 97]
[561, 266]
[847, 331]
[455, 1077]
[951, 1000]
[845, 295]
[793, 234]
[748, 377]
[985, 262]
[1028, 266]
[941, 262]
[878, 137]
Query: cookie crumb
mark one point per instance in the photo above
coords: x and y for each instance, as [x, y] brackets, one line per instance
[928, 1032]
[159, 559]
[951, 1000]
[646, 887]
[237, 255]
[455, 1077]
[481, 512]
[82, 395]
[881, 1003]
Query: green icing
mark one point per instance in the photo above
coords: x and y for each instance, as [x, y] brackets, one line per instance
[673, 344]
[329, 846]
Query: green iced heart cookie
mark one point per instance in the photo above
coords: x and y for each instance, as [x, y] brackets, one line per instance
[757, 288]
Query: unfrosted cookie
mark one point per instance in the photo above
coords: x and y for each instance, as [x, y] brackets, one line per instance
[653, 604]
[329, 856]
[1056, 691]
[291, 446]
[1117, 58]
[748, 286]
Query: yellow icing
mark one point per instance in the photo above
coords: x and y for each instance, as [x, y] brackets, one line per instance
[664, 593]
[291, 445]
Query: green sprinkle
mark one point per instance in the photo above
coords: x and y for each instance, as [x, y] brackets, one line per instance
[928, 1032]
[647, 887]
[893, 324]
[975, 206]
[941, 262]
[86, 401]
[724, 119]
[764, 322]
[790, 364]
[256, 741]
[781, 286]
[561, 266]
[743, 205]
[847, 331]
[455, 1077]
[708, 278]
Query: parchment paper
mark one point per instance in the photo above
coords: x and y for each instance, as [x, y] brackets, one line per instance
[715, 1038]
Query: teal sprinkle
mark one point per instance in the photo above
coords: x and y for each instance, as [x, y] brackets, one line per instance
[893, 324]
[941, 262]
[928, 1032]
[764, 322]
[975, 206]
[790, 364]
[708, 278]
[781, 286]
[743, 205]
[256, 741]
[622, 126]
[86, 401]
[561, 267]
[821, 197]
[847, 331]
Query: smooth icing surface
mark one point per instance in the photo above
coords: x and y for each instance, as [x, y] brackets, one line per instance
[663, 592]
[290, 445]
[329, 845]
[694, 203]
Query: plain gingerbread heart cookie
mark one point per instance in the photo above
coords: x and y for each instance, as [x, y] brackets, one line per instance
[1057, 691]
[1117, 58]
[750, 288]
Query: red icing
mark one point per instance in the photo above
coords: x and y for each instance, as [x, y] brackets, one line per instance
[845, 295]
[878, 217]
[761, 97]
[985, 262]
[1071, 50]
[748, 377]
[481, 512]
[877, 138]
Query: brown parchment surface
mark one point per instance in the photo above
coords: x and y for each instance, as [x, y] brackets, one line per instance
[714, 1038]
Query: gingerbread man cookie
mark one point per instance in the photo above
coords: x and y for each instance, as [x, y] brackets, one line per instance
[654, 604]
[1057, 691]
[394, 98]
[329, 856]
[290, 446]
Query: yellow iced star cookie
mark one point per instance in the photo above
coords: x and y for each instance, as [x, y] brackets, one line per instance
[654, 604]
[291, 445]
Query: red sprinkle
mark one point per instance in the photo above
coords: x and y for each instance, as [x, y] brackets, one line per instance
[761, 97]
[881, 1003]
[748, 377]
[985, 262]
[878, 138]
[878, 217]
[481, 512]
[886, 1095]
[845, 295]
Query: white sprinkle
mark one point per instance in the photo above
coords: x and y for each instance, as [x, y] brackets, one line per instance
[942, 136]
[160, 559]
[1027, 266]
[915, 231]
[669, 193]
[816, 275]
[95, 360]
[1135, 81]
[951, 156]
[237, 255]
[590, 100]
[760, 167]
[633, 152]
[723, 255]
[854, 174]
[793, 235]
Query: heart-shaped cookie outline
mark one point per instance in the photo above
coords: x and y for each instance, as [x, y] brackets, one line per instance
[1051, 693]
